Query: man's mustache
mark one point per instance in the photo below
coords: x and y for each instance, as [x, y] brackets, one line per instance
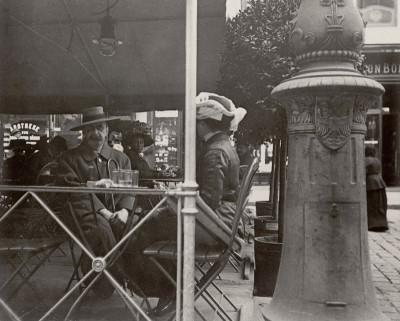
[96, 137]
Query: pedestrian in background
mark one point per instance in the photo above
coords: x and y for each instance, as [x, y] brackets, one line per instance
[376, 192]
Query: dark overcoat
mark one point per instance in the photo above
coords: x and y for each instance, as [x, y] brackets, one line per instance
[82, 164]
[139, 163]
[376, 195]
[218, 176]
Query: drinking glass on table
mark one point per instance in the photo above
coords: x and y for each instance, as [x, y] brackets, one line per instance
[135, 178]
[125, 178]
[115, 177]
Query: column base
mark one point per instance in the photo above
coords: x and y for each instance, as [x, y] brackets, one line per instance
[310, 311]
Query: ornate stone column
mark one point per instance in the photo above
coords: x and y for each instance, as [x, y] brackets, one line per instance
[325, 271]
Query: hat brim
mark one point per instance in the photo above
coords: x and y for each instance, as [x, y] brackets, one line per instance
[148, 141]
[100, 120]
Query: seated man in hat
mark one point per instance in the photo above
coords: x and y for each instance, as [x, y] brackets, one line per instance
[92, 160]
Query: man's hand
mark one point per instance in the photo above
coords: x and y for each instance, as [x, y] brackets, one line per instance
[104, 182]
[118, 219]
[121, 215]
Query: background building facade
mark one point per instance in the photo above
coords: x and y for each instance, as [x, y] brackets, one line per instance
[382, 51]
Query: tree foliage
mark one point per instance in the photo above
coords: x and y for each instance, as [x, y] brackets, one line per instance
[256, 59]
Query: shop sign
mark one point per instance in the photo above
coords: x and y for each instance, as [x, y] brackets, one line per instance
[383, 68]
[166, 113]
[24, 126]
[25, 130]
[383, 63]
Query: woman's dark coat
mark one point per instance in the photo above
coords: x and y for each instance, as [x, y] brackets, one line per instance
[376, 195]
[218, 176]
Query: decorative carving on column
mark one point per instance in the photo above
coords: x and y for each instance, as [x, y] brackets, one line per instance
[301, 110]
[333, 119]
[361, 105]
[310, 110]
[332, 40]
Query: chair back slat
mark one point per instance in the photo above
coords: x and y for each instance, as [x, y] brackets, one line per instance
[47, 174]
[210, 229]
[244, 191]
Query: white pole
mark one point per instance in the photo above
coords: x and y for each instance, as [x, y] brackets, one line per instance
[189, 210]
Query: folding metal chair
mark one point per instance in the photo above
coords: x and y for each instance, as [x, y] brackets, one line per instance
[214, 244]
[46, 174]
[28, 242]
[25, 250]
[237, 261]
[46, 177]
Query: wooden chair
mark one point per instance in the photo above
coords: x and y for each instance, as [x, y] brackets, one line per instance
[214, 248]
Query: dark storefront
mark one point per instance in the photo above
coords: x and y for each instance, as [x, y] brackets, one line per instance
[383, 123]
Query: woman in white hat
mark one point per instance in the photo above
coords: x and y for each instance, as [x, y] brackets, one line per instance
[218, 163]
[218, 179]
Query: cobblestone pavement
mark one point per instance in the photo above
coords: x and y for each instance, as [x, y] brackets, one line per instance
[384, 253]
[385, 264]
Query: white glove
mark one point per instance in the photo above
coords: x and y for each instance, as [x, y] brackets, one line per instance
[121, 216]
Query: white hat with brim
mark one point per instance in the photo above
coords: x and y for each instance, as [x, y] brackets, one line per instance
[91, 116]
[213, 106]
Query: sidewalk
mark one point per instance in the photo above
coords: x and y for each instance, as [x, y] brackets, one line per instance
[384, 254]
[261, 193]
[50, 281]
[385, 260]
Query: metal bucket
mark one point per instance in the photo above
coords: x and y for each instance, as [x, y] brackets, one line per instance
[265, 225]
[267, 253]
[264, 208]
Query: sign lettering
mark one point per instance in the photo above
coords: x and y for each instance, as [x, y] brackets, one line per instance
[384, 69]
[383, 63]
[20, 126]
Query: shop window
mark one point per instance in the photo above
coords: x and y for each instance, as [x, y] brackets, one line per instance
[22, 133]
[25, 135]
[379, 13]
[166, 138]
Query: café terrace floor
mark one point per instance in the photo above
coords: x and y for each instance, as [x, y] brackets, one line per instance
[51, 279]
